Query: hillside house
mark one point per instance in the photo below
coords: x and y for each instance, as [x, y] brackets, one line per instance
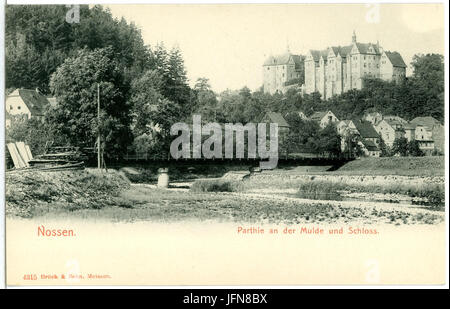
[366, 130]
[432, 130]
[395, 118]
[26, 102]
[391, 128]
[370, 148]
[370, 139]
[345, 127]
[324, 118]
[373, 117]
[410, 131]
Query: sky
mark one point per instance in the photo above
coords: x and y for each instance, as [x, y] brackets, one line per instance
[228, 43]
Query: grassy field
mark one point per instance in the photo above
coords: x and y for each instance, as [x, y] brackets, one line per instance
[320, 189]
[407, 166]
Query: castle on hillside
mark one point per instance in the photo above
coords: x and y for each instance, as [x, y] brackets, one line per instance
[335, 69]
[280, 72]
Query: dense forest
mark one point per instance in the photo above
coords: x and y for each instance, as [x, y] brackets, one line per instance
[146, 87]
[140, 86]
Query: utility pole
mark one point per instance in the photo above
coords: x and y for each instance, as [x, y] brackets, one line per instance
[99, 157]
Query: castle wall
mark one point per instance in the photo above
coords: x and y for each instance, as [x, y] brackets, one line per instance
[310, 76]
[337, 75]
[269, 78]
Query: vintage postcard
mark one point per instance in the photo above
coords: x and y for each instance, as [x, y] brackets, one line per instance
[255, 144]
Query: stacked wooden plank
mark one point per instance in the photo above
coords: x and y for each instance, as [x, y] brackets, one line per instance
[20, 154]
[58, 157]
[70, 158]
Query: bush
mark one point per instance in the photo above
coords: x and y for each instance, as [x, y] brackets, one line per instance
[327, 190]
[320, 190]
[414, 149]
[215, 185]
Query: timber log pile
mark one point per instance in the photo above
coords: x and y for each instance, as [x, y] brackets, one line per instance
[55, 158]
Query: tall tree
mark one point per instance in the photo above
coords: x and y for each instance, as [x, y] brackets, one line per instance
[144, 100]
[328, 141]
[302, 133]
[414, 149]
[400, 146]
[75, 87]
[206, 100]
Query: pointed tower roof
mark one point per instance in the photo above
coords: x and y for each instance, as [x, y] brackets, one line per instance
[354, 37]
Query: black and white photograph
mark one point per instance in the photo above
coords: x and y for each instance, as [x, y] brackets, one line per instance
[219, 144]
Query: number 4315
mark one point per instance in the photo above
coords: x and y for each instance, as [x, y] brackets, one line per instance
[30, 277]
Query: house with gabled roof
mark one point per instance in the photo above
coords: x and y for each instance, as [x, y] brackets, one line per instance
[27, 102]
[392, 66]
[427, 121]
[345, 127]
[427, 131]
[272, 117]
[369, 138]
[391, 128]
[337, 69]
[370, 148]
[366, 130]
[324, 118]
[430, 133]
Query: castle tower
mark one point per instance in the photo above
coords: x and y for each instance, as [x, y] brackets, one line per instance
[354, 37]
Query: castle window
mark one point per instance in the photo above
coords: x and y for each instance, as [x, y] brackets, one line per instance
[268, 68]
